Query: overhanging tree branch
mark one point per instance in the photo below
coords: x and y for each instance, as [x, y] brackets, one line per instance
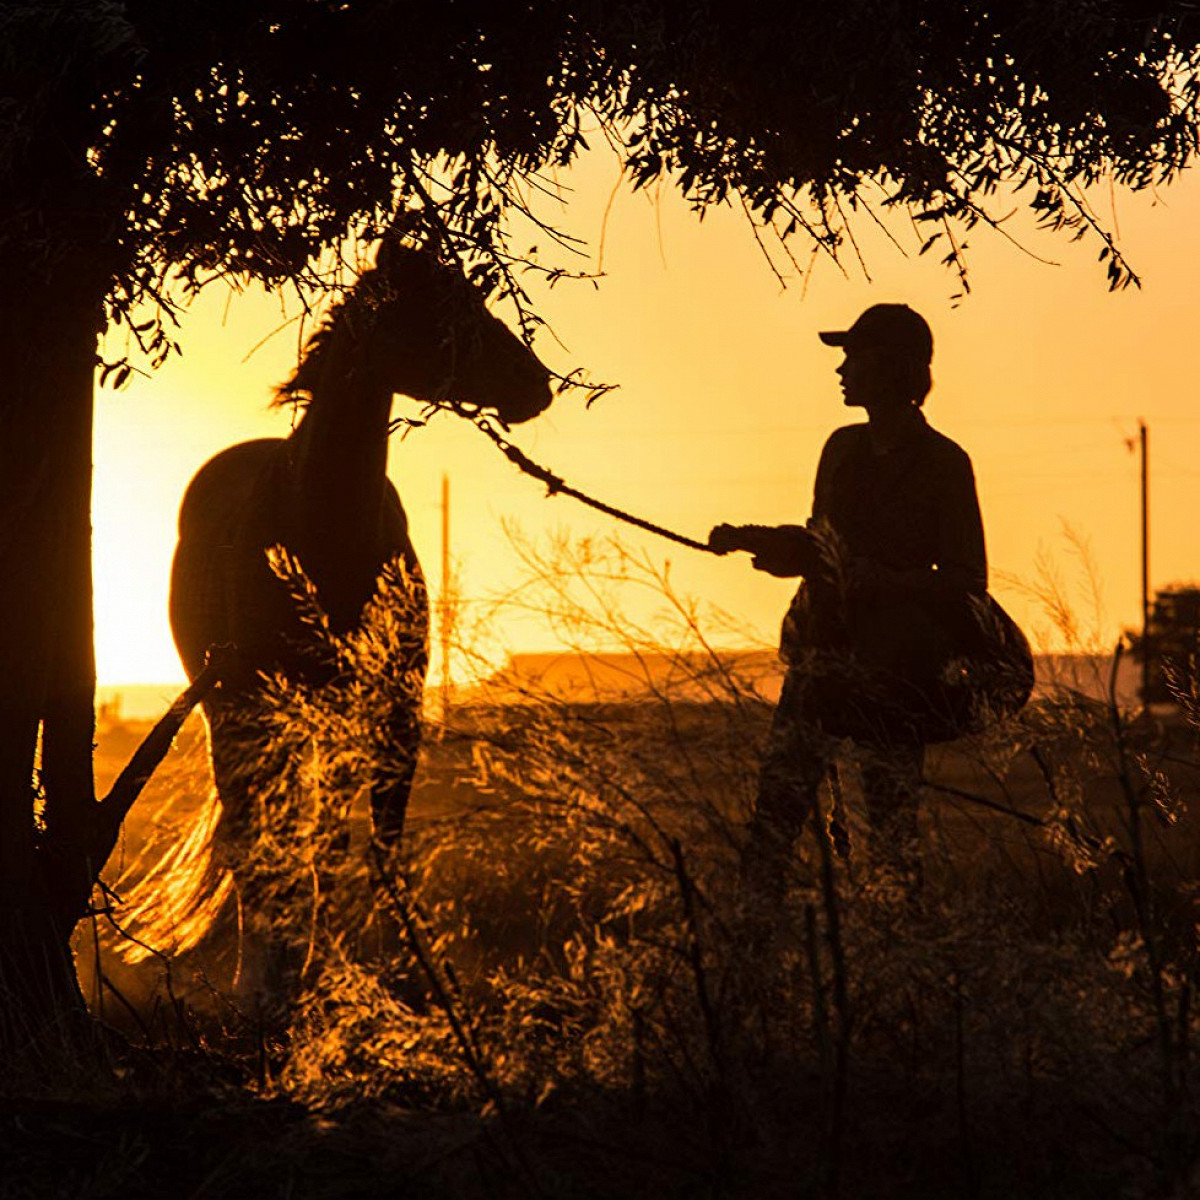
[114, 808]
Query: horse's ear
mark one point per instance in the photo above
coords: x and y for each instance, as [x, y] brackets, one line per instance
[409, 268]
[395, 255]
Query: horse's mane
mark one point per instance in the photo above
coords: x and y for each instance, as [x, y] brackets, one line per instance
[297, 388]
[373, 288]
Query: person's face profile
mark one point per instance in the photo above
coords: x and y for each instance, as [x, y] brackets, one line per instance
[870, 378]
[859, 372]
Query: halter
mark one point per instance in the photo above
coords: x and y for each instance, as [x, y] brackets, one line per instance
[555, 485]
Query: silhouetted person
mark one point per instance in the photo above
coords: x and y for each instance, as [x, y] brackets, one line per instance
[891, 555]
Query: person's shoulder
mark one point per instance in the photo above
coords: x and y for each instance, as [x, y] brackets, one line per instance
[946, 448]
[842, 443]
[846, 436]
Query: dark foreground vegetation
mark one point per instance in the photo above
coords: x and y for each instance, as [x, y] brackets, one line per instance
[557, 991]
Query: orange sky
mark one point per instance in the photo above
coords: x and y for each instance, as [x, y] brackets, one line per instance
[725, 399]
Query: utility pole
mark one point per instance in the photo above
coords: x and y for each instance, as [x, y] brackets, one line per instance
[444, 602]
[1144, 443]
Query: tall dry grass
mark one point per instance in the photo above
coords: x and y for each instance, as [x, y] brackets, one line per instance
[560, 950]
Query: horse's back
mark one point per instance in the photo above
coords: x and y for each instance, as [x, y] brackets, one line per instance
[223, 591]
[221, 491]
[222, 496]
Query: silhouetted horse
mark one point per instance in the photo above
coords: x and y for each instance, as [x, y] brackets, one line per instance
[411, 325]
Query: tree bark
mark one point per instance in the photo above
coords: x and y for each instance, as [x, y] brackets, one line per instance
[55, 271]
[59, 254]
[51, 304]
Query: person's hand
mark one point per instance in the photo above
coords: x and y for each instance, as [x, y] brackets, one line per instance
[771, 561]
[755, 539]
[724, 539]
[784, 551]
[781, 550]
[773, 554]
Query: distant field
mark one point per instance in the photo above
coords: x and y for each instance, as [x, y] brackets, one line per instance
[573, 675]
[136, 701]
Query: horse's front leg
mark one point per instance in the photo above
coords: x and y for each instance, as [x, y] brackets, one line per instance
[395, 765]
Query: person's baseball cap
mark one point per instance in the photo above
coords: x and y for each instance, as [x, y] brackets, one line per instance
[888, 327]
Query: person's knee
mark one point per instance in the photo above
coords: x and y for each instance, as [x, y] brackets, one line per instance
[787, 790]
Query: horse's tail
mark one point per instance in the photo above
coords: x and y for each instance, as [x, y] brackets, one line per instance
[171, 907]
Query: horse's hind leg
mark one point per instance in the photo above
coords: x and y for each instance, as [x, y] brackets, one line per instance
[247, 768]
[241, 759]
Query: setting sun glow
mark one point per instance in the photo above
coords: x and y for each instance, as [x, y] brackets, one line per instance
[725, 397]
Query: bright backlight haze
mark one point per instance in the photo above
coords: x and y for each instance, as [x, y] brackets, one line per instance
[725, 398]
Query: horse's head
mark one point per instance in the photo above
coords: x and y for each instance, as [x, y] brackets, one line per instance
[433, 338]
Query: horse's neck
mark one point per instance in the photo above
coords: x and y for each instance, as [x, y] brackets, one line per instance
[342, 439]
[339, 450]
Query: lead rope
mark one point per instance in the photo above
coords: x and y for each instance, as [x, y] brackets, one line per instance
[556, 486]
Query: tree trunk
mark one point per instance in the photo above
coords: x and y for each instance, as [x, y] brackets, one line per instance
[51, 306]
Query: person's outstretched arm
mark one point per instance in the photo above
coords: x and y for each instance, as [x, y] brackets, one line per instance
[783, 550]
